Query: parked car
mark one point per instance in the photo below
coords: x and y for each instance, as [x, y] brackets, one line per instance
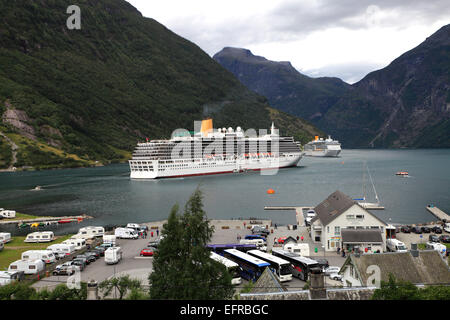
[331, 269]
[59, 255]
[93, 253]
[87, 259]
[147, 252]
[445, 238]
[436, 229]
[80, 262]
[99, 250]
[281, 240]
[425, 229]
[433, 238]
[154, 244]
[405, 229]
[416, 230]
[335, 276]
[323, 263]
[106, 245]
[65, 270]
[260, 230]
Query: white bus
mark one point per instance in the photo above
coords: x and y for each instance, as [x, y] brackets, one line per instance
[279, 266]
[231, 266]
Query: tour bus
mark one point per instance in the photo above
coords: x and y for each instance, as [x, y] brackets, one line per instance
[251, 267]
[219, 248]
[232, 267]
[300, 266]
[280, 267]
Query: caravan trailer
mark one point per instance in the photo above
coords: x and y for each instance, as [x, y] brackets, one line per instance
[109, 238]
[90, 232]
[6, 277]
[46, 255]
[62, 248]
[27, 266]
[8, 213]
[44, 236]
[5, 237]
[78, 243]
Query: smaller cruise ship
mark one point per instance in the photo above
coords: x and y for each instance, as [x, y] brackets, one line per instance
[322, 148]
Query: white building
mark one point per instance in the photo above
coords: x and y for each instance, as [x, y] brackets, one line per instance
[342, 223]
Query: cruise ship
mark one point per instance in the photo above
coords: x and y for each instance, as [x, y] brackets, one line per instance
[322, 148]
[213, 151]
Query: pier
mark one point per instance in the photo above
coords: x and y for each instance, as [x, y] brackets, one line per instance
[299, 217]
[438, 213]
[44, 219]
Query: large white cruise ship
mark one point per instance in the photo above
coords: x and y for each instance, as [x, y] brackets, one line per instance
[322, 148]
[213, 151]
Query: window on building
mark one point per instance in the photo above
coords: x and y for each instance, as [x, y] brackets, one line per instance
[337, 230]
[350, 216]
[328, 229]
[359, 216]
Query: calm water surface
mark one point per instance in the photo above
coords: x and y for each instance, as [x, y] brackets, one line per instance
[107, 193]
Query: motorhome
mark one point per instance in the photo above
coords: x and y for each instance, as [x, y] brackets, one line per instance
[395, 245]
[125, 233]
[5, 237]
[299, 248]
[27, 266]
[442, 249]
[46, 255]
[62, 248]
[133, 226]
[109, 238]
[6, 277]
[113, 255]
[78, 243]
[7, 213]
[44, 236]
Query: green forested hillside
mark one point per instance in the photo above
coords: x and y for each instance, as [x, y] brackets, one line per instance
[89, 95]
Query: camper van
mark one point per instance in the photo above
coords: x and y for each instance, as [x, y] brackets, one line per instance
[78, 243]
[46, 255]
[395, 245]
[133, 226]
[7, 213]
[44, 236]
[27, 266]
[90, 232]
[299, 248]
[442, 249]
[113, 255]
[5, 237]
[125, 233]
[6, 277]
[62, 248]
[109, 238]
[258, 242]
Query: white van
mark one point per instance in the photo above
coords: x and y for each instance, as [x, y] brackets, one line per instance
[395, 245]
[5, 237]
[62, 248]
[109, 238]
[113, 255]
[78, 243]
[6, 277]
[46, 255]
[125, 233]
[299, 248]
[44, 236]
[442, 249]
[27, 266]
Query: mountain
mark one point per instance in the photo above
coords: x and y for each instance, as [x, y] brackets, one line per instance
[85, 97]
[406, 104]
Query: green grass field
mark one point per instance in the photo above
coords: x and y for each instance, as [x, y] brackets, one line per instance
[13, 249]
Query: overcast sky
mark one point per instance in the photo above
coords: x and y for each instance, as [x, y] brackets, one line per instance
[341, 38]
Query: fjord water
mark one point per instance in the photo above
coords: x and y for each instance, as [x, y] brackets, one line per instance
[108, 194]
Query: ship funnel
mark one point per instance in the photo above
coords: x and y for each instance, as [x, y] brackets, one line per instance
[207, 127]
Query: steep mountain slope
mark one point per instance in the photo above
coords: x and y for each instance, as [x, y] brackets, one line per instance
[406, 104]
[74, 97]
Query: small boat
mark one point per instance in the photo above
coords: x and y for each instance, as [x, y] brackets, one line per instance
[65, 221]
[35, 225]
[37, 188]
[402, 173]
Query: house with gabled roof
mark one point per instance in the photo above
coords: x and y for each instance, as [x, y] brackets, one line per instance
[340, 222]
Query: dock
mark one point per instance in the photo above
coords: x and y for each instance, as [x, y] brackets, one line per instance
[44, 219]
[299, 217]
[438, 213]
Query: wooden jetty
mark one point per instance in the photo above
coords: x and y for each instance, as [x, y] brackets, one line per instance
[44, 219]
[438, 213]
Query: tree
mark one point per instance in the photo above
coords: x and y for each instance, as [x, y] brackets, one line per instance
[182, 268]
[121, 284]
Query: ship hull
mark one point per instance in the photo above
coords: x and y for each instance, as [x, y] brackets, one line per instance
[212, 167]
[322, 153]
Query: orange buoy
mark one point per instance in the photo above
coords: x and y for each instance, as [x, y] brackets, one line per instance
[270, 191]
